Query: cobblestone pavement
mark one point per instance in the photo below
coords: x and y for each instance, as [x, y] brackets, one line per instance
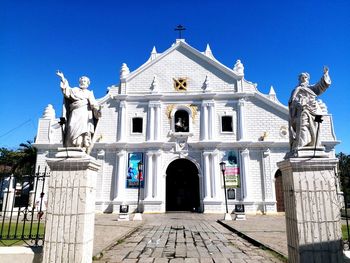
[268, 230]
[183, 237]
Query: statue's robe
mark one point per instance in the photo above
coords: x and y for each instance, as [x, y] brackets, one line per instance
[303, 108]
[79, 107]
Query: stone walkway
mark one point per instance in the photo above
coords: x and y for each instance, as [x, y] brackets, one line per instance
[184, 237]
[269, 230]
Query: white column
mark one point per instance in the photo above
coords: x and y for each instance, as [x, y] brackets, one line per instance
[216, 176]
[211, 122]
[157, 123]
[149, 176]
[122, 121]
[157, 173]
[267, 178]
[241, 131]
[204, 122]
[150, 123]
[207, 191]
[121, 171]
[100, 181]
[245, 185]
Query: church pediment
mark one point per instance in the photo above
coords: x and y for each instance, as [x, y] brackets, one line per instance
[181, 68]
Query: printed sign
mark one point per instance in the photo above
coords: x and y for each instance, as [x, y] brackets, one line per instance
[132, 178]
[232, 172]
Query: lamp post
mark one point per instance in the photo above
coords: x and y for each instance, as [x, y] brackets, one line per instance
[223, 169]
[138, 214]
[139, 168]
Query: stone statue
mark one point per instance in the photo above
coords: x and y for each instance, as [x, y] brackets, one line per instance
[305, 111]
[81, 112]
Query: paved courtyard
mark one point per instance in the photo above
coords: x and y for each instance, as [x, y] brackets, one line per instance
[184, 237]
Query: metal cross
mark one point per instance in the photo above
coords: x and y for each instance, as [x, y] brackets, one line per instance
[180, 28]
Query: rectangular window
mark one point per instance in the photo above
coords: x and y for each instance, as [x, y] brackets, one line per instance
[226, 124]
[136, 125]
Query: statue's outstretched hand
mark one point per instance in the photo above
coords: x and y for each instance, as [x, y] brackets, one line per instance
[60, 74]
[325, 70]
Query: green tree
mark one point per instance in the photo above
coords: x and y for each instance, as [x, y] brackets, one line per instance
[19, 162]
[344, 172]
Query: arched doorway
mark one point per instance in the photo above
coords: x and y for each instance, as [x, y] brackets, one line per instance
[182, 186]
[279, 191]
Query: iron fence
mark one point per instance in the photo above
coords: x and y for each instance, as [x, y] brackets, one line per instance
[22, 208]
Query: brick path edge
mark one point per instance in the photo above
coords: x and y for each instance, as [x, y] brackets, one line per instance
[253, 241]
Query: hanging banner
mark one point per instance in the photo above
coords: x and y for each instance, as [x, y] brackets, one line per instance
[232, 173]
[132, 178]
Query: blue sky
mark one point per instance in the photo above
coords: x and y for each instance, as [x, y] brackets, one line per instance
[275, 40]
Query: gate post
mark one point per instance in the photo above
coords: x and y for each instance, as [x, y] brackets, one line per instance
[70, 212]
[312, 210]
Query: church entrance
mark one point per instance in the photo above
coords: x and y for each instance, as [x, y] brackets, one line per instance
[182, 186]
[279, 191]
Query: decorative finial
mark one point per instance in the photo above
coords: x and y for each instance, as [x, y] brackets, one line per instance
[124, 71]
[49, 112]
[208, 52]
[153, 53]
[154, 85]
[272, 94]
[239, 68]
[180, 28]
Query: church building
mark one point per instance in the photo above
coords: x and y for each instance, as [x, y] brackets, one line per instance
[181, 114]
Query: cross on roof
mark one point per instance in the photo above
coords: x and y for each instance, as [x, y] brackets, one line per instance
[180, 28]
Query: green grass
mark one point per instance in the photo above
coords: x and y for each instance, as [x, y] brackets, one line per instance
[15, 242]
[344, 232]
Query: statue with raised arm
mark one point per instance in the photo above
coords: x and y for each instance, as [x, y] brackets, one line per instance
[81, 112]
[305, 112]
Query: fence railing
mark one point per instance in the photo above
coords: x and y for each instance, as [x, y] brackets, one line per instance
[22, 208]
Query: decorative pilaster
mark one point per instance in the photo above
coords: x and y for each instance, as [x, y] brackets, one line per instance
[207, 188]
[149, 178]
[204, 121]
[157, 124]
[101, 158]
[313, 219]
[70, 214]
[245, 172]
[215, 178]
[153, 131]
[211, 121]
[122, 121]
[241, 123]
[121, 171]
[158, 163]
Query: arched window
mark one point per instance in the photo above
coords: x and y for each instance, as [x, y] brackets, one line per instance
[181, 121]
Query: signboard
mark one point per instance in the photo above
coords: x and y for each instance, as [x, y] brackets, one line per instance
[132, 179]
[232, 172]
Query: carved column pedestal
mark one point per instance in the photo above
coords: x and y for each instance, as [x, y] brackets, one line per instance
[312, 210]
[70, 212]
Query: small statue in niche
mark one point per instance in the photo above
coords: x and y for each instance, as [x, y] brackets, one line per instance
[305, 111]
[81, 113]
[180, 125]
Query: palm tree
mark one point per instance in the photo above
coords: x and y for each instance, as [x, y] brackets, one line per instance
[27, 160]
[19, 162]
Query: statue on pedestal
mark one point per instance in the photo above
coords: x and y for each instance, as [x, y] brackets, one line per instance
[305, 112]
[81, 113]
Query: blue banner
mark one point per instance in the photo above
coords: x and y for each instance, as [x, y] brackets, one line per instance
[132, 178]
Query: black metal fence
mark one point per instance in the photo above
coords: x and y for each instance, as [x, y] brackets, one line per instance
[22, 208]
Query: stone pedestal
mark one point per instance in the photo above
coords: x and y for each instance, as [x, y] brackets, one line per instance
[312, 210]
[70, 212]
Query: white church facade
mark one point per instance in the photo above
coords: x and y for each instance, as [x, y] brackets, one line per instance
[181, 113]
